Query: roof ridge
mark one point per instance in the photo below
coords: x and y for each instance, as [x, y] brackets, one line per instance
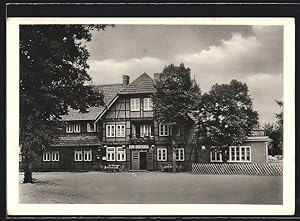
[108, 84]
[136, 80]
[147, 85]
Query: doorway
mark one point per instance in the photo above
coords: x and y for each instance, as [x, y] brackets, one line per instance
[66, 155]
[143, 160]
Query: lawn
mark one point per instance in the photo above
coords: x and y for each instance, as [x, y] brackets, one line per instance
[150, 187]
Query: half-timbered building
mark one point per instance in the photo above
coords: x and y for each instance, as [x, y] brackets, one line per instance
[124, 132]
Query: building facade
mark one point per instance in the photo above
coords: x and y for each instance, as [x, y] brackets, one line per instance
[124, 132]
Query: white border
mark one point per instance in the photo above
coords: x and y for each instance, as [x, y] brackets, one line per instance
[14, 208]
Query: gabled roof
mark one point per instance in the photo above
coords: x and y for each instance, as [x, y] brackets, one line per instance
[109, 91]
[143, 84]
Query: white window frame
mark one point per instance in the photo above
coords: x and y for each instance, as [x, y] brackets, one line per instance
[179, 154]
[120, 130]
[76, 128]
[145, 130]
[216, 156]
[87, 155]
[121, 154]
[162, 154]
[55, 155]
[110, 130]
[89, 128]
[250, 153]
[46, 156]
[69, 128]
[78, 155]
[110, 154]
[135, 104]
[238, 149]
[164, 130]
[148, 105]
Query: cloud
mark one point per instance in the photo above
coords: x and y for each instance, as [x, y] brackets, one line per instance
[259, 53]
[110, 70]
[256, 59]
[228, 52]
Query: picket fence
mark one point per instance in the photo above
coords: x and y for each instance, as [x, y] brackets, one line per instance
[268, 169]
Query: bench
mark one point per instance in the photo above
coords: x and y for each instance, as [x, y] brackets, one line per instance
[169, 168]
[112, 168]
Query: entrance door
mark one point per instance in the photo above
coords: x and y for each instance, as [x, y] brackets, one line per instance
[143, 160]
[67, 157]
[135, 163]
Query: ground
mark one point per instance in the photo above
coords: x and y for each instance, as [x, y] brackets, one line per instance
[150, 187]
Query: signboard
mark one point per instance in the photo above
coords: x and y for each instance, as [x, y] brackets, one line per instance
[138, 147]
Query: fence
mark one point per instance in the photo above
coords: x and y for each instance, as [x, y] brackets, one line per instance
[271, 169]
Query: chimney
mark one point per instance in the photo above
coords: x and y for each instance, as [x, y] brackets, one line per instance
[156, 76]
[125, 80]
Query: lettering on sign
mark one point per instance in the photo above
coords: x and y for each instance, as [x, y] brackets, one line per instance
[138, 147]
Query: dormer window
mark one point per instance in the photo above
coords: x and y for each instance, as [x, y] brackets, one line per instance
[73, 128]
[135, 104]
[90, 127]
[76, 128]
[69, 128]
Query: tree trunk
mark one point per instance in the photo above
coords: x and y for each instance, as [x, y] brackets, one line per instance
[28, 172]
[196, 153]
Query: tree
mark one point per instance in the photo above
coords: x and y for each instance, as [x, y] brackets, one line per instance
[176, 97]
[275, 132]
[226, 117]
[53, 77]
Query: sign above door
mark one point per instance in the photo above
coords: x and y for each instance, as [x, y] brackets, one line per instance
[138, 147]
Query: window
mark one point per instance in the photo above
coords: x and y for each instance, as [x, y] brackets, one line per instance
[55, 156]
[135, 104]
[76, 128]
[110, 130]
[180, 154]
[78, 155]
[248, 154]
[73, 128]
[237, 154]
[243, 154]
[110, 153]
[46, 156]
[240, 154]
[51, 156]
[121, 154]
[231, 153]
[145, 130]
[148, 104]
[90, 127]
[215, 156]
[162, 154]
[163, 130]
[87, 155]
[69, 128]
[120, 131]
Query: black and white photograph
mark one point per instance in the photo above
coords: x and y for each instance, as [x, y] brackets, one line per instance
[141, 113]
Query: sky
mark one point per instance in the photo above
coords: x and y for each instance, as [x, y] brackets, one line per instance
[214, 53]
